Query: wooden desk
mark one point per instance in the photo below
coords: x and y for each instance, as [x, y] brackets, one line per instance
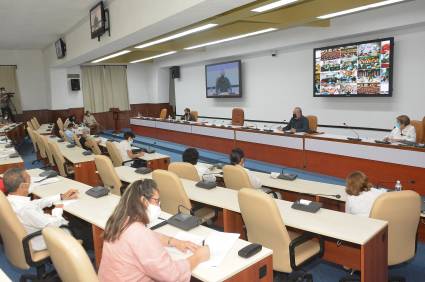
[14, 131]
[352, 241]
[45, 129]
[323, 153]
[7, 162]
[97, 212]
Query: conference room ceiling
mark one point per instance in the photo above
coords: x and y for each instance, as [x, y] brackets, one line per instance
[241, 21]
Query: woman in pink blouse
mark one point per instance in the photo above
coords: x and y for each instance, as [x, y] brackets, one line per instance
[133, 252]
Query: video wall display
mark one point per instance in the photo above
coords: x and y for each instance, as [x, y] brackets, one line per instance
[355, 69]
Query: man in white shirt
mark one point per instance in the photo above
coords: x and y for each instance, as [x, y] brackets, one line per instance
[91, 122]
[237, 157]
[403, 130]
[30, 213]
[125, 150]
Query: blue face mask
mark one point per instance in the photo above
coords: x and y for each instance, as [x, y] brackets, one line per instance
[397, 125]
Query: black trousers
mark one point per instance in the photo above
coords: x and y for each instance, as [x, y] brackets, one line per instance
[8, 111]
[81, 230]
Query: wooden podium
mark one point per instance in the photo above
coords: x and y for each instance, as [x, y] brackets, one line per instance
[115, 116]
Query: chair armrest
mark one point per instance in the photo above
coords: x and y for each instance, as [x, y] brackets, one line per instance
[27, 249]
[273, 193]
[299, 241]
[129, 161]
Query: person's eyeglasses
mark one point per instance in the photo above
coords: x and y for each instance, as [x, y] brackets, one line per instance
[156, 200]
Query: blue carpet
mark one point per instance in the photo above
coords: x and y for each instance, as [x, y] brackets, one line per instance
[322, 271]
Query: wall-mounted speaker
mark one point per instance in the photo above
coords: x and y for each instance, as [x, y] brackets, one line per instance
[175, 72]
[75, 84]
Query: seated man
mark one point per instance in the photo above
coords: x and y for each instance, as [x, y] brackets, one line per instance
[191, 155]
[91, 122]
[403, 130]
[298, 122]
[86, 140]
[187, 115]
[30, 212]
[70, 119]
[126, 152]
[69, 132]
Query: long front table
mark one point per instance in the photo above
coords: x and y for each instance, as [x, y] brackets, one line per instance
[324, 153]
[97, 211]
[351, 241]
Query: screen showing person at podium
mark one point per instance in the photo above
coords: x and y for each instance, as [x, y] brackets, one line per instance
[223, 79]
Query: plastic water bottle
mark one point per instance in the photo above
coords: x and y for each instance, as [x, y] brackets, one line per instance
[398, 186]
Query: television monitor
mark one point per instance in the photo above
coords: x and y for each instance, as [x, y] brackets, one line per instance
[361, 69]
[97, 20]
[60, 47]
[223, 80]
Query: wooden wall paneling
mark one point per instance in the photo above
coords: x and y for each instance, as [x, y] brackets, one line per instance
[378, 172]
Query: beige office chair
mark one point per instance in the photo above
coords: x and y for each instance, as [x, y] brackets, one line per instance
[163, 114]
[29, 125]
[107, 174]
[194, 114]
[16, 243]
[49, 153]
[65, 169]
[40, 145]
[33, 141]
[114, 154]
[238, 116]
[76, 140]
[173, 194]
[92, 144]
[265, 226]
[312, 123]
[68, 256]
[419, 130]
[184, 170]
[402, 211]
[36, 122]
[235, 177]
[59, 122]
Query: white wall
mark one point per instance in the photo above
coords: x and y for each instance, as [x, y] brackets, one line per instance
[140, 84]
[272, 86]
[31, 77]
[62, 96]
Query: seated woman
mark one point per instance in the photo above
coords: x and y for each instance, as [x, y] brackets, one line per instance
[403, 130]
[133, 252]
[360, 194]
[237, 157]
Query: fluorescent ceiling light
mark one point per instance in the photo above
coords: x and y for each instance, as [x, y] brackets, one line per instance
[231, 38]
[153, 57]
[361, 8]
[177, 35]
[111, 56]
[273, 5]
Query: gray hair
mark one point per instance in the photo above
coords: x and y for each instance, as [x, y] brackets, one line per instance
[13, 178]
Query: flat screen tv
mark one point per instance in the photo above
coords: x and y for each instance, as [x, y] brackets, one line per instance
[361, 69]
[223, 80]
[60, 47]
[97, 20]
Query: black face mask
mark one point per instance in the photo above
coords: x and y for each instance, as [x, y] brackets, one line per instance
[294, 115]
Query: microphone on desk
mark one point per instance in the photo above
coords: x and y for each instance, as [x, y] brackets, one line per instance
[338, 196]
[355, 132]
[287, 176]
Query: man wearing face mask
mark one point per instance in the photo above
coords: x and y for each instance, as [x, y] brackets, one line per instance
[31, 214]
[187, 115]
[91, 122]
[125, 147]
[403, 130]
[298, 122]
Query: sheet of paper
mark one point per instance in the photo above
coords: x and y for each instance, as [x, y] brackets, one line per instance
[34, 185]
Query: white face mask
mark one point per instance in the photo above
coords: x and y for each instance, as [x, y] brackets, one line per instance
[153, 213]
[130, 141]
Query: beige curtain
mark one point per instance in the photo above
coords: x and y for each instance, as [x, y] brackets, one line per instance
[9, 81]
[105, 87]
